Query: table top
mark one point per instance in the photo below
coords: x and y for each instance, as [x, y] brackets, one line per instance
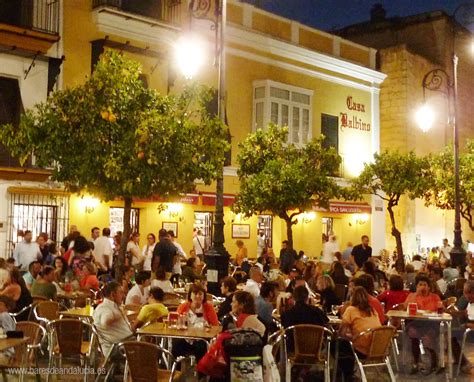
[424, 315]
[88, 312]
[159, 329]
[6, 343]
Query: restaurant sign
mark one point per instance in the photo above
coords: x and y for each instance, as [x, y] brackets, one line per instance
[349, 120]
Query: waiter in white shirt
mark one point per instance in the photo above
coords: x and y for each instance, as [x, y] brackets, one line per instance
[26, 252]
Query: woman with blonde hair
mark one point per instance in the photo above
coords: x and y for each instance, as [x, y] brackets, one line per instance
[325, 287]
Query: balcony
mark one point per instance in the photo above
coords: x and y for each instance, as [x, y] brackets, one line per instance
[29, 25]
[168, 11]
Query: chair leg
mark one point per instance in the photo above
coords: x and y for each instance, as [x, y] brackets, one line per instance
[4, 376]
[362, 372]
[390, 371]
[463, 344]
[395, 353]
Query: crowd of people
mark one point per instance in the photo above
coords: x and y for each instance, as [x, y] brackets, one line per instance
[261, 294]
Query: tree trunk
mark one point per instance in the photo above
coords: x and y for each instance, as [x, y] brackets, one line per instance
[400, 263]
[289, 232]
[127, 208]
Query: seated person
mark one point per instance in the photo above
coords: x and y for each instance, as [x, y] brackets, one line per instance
[325, 288]
[367, 282]
[395, 294]
[302, 312]
[191, 271]
[138, 295]
[89, 278]
[428, 331]
[111, 323]
[265, 302]
[162, 282]
[34, 270]
[253, 283]
[44, 286]
[7, 323]
[243, 309]
[357, 317]
[228, 288]
[153, 310]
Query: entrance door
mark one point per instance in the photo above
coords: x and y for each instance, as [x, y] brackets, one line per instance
[265, 224]
[203, 222]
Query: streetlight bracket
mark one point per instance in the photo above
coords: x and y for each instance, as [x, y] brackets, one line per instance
[437, 80]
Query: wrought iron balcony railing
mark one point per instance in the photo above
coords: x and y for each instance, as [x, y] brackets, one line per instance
[38, 15]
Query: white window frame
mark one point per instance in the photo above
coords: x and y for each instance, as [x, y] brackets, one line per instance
[267, 105]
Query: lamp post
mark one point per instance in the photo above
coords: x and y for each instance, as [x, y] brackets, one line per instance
[441, 80]
[217, 258]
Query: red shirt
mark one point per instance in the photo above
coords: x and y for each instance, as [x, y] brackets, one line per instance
[377, 307]
[429, 302]
[392, 298]
[210, 314]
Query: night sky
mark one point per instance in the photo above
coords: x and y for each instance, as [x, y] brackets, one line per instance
[333, 14]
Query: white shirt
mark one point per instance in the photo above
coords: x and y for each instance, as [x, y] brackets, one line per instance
[25, 253]
[199, 243]
[470, 311]
[252, 287]
[111, 333]
[134, 246]
[330, 247]
[164, 285]
[442, 286]
[260, 244]
[446, 250]
[136, 291]
[182, 255]
[147, 253]
[417, 264]
[102, 247]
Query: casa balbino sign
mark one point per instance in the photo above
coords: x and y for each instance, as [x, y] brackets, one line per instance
[349, 120]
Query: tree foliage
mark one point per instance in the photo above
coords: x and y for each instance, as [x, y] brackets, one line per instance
[283, 179]
[114, 138]
[441, 194]
[390, 176]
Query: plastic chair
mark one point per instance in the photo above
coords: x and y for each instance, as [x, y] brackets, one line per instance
[341, 291]
[308, 342]
[142, 362]
[378, 355]
[66, 336]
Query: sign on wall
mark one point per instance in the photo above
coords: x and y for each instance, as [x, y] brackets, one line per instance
[354, 117]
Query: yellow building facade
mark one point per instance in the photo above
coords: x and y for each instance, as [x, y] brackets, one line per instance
[278, 71]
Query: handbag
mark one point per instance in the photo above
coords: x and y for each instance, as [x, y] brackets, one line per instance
[215, 362]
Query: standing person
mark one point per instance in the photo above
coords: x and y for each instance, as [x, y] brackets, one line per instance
[261, 243]
[164, 254]
[287, 257]
[181, 254]
[329, 249]
[68, 240]
[44, 248]
[147, 251]
[134, 250]
[446, 249]
[103, 251]
[361, 252]
[199, 245]
[242, 253]
[346, 254]
[95, 233]
[26, 251]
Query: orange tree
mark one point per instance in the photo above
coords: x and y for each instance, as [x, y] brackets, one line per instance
[284, 179]
[114, 138]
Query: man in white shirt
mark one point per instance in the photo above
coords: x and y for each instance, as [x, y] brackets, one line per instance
[110, 321]
[181, 254]
[199, 244]
[261, 243]
[437, 276]
[103, 250]
[329, 249]
[253, 283]
[446, 248]
[26, 252]
[417, 263]
[138, 294]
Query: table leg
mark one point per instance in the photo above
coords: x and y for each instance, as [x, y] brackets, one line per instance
[450, 352]
[441, 343]
[404, 350]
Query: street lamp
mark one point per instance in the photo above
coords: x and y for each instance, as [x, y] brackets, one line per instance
[217, 258]
[440, 80]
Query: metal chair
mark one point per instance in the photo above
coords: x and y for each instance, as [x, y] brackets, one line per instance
[378, 355]
[46, 311]
[456, 286]
[308, 343]
[66, 336]
[28, 308]
[463, 344]
[142, 362]
[25, 355]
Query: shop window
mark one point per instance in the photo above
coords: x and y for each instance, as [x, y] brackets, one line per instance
[203, 221]
[265, 224]
[37, 213]
[283, 105]
[116, 220]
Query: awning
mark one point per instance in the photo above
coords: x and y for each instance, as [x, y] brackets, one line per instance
[346, 208]
[186, 199]
[209, 199]
[37, 191]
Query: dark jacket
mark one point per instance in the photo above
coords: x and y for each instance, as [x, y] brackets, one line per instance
[303, 314]
[287, 259]
[164, 255]
[225, 307]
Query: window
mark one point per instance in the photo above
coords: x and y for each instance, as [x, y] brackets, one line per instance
[329, 128]
[283, 105]
[37, 213]
[116, 220]
[203, 222]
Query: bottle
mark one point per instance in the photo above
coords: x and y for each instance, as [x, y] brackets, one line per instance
[88, 306]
